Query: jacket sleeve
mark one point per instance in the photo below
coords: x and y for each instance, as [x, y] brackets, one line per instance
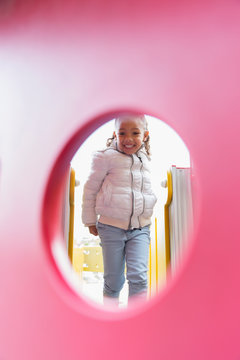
[92, 186]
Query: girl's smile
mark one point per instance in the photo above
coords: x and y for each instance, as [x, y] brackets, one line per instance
[127, 149]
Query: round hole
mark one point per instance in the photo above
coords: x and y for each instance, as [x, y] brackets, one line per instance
[76, 254]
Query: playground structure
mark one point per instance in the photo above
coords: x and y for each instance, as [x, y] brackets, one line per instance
[164, 261]
[66, 68]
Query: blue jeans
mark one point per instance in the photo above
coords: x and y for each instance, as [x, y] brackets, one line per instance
[120, 246]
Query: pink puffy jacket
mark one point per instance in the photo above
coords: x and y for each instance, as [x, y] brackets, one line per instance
[118, 190]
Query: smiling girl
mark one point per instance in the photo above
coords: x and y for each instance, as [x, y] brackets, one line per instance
[118, 204]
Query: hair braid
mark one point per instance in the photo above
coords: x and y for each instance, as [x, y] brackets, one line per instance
[147, 145]
[109, 141]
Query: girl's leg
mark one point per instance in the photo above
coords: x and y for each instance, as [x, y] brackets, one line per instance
[113, 244]
[137, 253]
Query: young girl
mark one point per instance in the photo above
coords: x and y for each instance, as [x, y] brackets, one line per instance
[118, 203]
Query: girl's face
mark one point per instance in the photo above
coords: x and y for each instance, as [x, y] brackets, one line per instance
[130, 134]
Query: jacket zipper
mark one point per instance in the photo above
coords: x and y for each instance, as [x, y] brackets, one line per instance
[130, 219]
[141, 190]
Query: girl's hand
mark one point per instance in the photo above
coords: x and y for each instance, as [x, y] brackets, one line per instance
[93, 230]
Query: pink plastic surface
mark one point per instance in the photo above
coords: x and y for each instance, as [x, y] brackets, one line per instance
[65, 67]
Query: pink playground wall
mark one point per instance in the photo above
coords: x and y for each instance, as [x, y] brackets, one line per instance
[66, 67]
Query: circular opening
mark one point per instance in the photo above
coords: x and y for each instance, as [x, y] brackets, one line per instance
[116, 180]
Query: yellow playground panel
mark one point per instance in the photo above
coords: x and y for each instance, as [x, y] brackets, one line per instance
[87, 258]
